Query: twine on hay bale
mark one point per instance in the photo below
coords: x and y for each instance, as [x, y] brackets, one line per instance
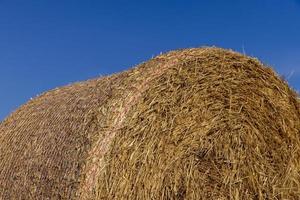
[201, 123]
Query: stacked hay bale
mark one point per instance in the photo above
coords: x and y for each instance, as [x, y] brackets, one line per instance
[203, 123]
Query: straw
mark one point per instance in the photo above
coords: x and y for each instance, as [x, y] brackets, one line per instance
[200, 123]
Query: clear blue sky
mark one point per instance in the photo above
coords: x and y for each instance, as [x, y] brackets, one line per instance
[49, 43]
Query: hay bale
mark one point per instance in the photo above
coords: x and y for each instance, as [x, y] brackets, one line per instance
[203, 123]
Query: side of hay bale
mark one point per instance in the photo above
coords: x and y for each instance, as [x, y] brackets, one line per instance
[202, 123]
[215, 125]
[44, 144]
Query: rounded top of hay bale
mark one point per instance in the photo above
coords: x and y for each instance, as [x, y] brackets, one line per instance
[189, 124]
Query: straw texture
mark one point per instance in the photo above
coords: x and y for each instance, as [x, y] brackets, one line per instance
[201, 123]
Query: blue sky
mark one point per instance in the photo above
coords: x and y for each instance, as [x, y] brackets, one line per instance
[49, 43]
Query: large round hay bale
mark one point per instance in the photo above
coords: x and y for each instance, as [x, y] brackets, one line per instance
[202, 123]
